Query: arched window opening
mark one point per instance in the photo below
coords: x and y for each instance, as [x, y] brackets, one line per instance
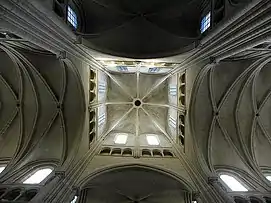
[182, 89]
[205, 22]
[172, 122]
[92, 96]
[267, 199]
[182, 100]
[92, 85]
[91, 115]
[146, 152]
[116, 151]
[101, 119]
[105, 151]
[181, 127]
[268, 177]
[154, 70]
[255, 200]
[58, 9]
[239, 200]
[2, 168]
[92, 75]
[237, 2]
[72, 17]
[91, 126]
[167, 153]
[2, 191]
[12, 195]
[183, 78]
[74, 199]
[102, 87]
[173, 90]
[232, 183]
[28, 195]
[182, 119]
[38, 176]
[121, 139]
[157, 153]
[91, 137]
[127, 152]
[122, 68]
[152, 140]
[181, 139]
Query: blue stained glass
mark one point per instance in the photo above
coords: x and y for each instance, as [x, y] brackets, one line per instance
[205, 22]
[72, 17]
[122, 68]
[154, 70]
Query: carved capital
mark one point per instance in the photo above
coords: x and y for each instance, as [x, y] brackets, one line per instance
[212, 180]
[78, 39]
[76, 190]
[62, 55]
[198, 44]
[137, 153]
[213, 60]
[60, 174]
[196, 195]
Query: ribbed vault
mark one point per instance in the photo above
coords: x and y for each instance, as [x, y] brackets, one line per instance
[39, 117]
[141, 29]
[138, 104]
[235, 119]
[135, 185]
[42, 99]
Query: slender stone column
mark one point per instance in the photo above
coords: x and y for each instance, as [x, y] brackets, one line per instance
[75, 192]
[43, 193]
[196, 197]
[214, 182]
[248, 200]
[83, 196]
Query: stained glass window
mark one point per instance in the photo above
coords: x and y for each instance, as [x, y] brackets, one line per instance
[205, 22]
[122, 68]
[154, 70]
[72, 17]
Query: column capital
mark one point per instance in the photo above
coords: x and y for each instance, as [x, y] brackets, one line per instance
[212, 180]
[61, 174]
[213, 60]
[76, 190]
[78, 39]
[62, 55]
[136, 153]
[196, 195]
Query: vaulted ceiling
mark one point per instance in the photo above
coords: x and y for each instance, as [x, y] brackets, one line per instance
[141, 29]
[43, 98]
[149, 116]
[136, 185]
[37, 105]
[230, 114]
